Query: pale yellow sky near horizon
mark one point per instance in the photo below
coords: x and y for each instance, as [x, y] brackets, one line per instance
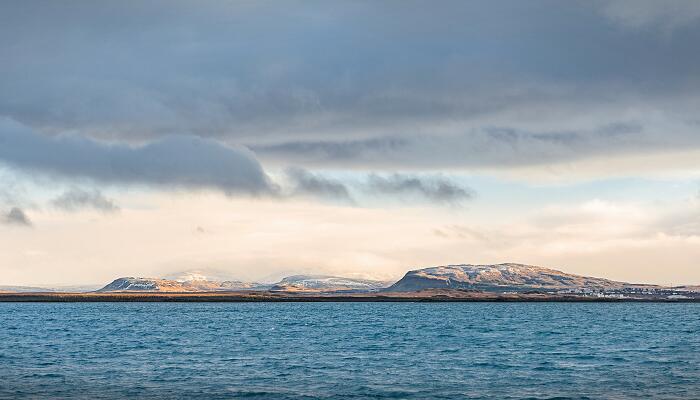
[258, 239]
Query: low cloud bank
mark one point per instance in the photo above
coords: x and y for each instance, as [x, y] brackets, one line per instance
[174, 161]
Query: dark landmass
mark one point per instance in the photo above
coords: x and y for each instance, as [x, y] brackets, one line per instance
[439, 295]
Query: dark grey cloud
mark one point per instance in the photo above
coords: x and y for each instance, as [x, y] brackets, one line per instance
[376, 84]
[342, 150]
[493, 147]
[435, 189]
[174, 162]
[307, 183]
[16, 216]
[79, 199]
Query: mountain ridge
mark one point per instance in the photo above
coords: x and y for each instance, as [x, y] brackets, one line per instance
[133, 284]
[491, 278]
[505, 277]
[294, 283]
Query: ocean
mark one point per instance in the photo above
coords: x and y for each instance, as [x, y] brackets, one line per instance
[349, 350]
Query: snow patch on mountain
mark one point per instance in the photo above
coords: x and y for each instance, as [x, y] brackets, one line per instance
[508, 276]
[327, 283]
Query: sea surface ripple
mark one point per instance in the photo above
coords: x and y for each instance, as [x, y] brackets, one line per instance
[349, 350]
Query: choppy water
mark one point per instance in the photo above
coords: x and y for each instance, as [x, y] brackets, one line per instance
[349, 350]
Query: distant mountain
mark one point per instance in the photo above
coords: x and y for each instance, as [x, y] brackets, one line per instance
[323, 283]
[503, 277]
[297, 283]
[131, 284]
[52, 289]
[498, 278]
[75, 288]
[23, 289]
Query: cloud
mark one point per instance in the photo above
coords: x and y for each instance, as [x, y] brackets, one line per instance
[342, 151]
[335, 85]
[644, 13]
[173, 162]
[78, 199]
[16, 216]
[465, 233]
[571, 228]
[6, 195]
[307, 183]
[436, 189]
[493, 147]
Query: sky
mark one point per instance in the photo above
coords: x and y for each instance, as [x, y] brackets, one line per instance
[256, 139]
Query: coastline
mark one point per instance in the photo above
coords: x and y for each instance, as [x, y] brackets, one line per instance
[277, 297]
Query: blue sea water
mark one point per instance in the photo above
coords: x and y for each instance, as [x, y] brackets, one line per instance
[349, 350]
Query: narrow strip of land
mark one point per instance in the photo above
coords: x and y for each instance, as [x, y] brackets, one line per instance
[263, 296]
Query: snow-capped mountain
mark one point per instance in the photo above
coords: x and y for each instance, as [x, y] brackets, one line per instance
[489, 278]
[131, 284]
[327, 283]
[297, 283]
[501, 277]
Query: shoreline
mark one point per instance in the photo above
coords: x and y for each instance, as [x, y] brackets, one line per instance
[287, 297]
